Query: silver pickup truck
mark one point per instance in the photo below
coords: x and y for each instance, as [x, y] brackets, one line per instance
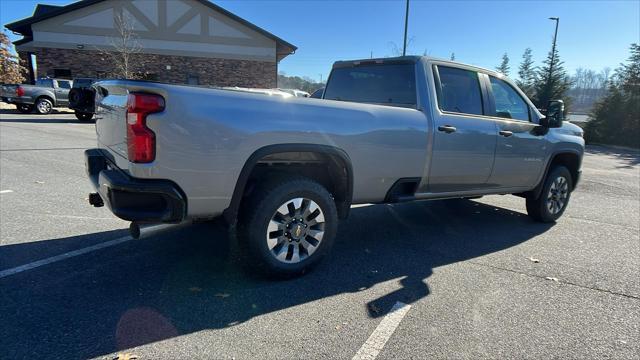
[43, 96]
[284, 170]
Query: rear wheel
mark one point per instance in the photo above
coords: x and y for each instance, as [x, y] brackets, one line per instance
[83, 116]
[44, 106]
[24, 108]
[553, 200]
[287, 226]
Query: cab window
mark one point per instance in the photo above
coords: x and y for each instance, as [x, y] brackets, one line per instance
[459, 91]
[509, 104]
[62, 84]
[382, 84]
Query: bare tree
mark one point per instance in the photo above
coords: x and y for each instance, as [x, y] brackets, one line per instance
[397, 50]
[124, 48]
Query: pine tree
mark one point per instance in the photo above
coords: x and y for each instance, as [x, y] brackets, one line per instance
[504, 65]
[527, 73]
[616, 118]
[11, 72]
[552, 81]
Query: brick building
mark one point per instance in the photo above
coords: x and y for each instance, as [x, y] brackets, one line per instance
[179, 41]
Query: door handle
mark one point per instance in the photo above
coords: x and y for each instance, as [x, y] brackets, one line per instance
[505, 133]
[447, 128]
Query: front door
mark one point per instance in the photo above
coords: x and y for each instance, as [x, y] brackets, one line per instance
[521, 149]
[464, 142]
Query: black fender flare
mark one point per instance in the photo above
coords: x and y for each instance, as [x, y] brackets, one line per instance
[230, 214]
[535, 193]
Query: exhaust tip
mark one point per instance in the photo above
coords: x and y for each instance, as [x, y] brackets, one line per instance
[134, 230]
[96, 200]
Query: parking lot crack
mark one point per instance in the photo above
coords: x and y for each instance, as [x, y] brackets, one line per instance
[558, 281]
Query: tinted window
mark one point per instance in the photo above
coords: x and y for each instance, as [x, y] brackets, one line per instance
[509, 104]
[64, 84]
[317, 94]
[389, 84]
[459, 91]
[45, 82]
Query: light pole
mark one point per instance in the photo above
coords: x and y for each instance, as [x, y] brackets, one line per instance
[406, 23]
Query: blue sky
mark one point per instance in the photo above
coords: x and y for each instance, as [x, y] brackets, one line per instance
[592, 34]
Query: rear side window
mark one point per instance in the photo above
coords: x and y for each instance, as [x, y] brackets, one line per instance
[386, 84]
[459, 91]
[45, 82]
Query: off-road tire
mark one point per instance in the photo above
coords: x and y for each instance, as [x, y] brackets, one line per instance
[260, 208]
[84, 116]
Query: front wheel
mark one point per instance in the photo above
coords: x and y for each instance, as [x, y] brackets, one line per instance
[84, 116]
[287, 226]
[553, 200]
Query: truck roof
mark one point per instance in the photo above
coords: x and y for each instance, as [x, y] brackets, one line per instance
[410, 59]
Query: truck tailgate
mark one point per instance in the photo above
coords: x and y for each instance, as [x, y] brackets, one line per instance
[111, 127]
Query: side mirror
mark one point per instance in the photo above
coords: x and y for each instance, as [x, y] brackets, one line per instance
[555, 114]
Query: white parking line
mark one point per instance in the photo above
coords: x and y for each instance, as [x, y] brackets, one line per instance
[5, 191]
[70, 254]
[36, 264]
[372, 347]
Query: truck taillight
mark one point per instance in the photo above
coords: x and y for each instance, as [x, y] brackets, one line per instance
[19, 91]
[141, 141]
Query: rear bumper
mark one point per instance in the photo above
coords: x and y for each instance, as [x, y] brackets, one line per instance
[132, 199]
[27, 100]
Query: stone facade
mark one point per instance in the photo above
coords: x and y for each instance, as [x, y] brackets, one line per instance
[164, 68]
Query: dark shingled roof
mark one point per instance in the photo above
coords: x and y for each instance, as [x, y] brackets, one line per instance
[43, 12]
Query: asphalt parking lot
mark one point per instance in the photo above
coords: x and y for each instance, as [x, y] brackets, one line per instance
[482, 280]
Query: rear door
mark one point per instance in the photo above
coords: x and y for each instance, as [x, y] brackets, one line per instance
[61, 89]
[521, 148]
[464, 141]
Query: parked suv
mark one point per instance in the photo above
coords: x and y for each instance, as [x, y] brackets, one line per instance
[81, 98]
[285, 170]
[43, 96]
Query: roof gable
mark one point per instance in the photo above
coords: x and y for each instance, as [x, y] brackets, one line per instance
[185, 18]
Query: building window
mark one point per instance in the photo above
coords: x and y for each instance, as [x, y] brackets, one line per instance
[62, 73]
[193, 80]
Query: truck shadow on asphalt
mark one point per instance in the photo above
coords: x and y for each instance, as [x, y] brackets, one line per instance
[14, 116]
[189, 279]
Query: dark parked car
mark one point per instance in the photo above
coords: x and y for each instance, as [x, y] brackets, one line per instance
[81, 98]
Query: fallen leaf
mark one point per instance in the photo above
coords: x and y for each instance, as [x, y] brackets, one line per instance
[551, 278]
[125, 356]
[195, 289]
[534, 260]
[222, 295]
[337, 327]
